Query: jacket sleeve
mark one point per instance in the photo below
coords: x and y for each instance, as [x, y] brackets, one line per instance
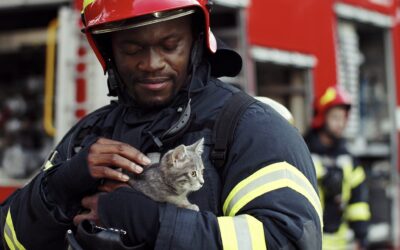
[269, 194]
[38, 215]
[358, 211]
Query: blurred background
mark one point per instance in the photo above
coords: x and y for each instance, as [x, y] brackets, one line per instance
[292, 50]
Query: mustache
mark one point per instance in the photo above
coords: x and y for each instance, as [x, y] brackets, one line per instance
[151, 78]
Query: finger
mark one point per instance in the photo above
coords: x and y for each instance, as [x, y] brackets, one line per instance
[103, 140]
[100, 172]
[109, 146]
[90, 202]
[114, 160]
[81, 217]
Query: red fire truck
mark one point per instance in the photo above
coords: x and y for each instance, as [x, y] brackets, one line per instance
[300, 48]
[293, 50]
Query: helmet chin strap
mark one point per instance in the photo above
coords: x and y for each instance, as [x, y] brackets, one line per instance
[195, 60]
[113, 80]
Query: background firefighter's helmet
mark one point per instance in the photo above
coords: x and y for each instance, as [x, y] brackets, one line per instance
[282, 110]
[103, 16]
[333, 96]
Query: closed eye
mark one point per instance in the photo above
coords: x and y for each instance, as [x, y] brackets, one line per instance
[130, 48]
[170, 44]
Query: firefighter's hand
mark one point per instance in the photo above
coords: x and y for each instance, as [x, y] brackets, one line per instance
[91, 204]
[106, 156]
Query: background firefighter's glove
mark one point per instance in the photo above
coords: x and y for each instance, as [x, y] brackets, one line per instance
[132, 212]
[332, 182]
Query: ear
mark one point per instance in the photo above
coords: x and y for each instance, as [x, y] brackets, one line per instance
[198, 146]
[179, 153]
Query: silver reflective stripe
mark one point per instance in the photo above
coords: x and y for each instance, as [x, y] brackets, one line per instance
[8, 237]
[243, 233]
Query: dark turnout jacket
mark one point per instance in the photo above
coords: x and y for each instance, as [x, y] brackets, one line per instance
[343, 189]
[264, 197]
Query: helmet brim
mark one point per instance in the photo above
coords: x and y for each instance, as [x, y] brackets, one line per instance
[156, 17]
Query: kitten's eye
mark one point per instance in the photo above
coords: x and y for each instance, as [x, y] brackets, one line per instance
[194, 173]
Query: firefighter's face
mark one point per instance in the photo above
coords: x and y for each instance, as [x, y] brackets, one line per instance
[153, 60]
[336, 120]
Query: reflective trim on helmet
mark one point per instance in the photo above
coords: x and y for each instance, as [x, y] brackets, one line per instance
[268, 179]
[86, 3]
[328, 97]
[241, 232]
[153, 18]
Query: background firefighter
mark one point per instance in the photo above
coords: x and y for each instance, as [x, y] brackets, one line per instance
[163, 63]
[341, 179]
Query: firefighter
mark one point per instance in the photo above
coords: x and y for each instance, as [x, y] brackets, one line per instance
[163, 62]
[341, 179]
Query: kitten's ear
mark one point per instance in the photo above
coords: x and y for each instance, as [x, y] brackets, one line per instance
[179, 153]
[198, 146]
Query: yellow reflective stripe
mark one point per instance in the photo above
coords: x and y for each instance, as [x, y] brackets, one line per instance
[338, 240]
[10, 229]
[270, 178]
[86, 3]
[319, 169]
[357, 177]
[228, 234]
[358, 212]
[346, 185]
[242, 232]
[256, 232]
[47, 165]
[9, 242]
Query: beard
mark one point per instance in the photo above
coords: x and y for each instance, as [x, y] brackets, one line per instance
[151, 101]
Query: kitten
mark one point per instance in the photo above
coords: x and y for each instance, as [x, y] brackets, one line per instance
[179, 172]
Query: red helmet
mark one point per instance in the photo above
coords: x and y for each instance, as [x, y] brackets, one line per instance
[103, 16]
[332, 97]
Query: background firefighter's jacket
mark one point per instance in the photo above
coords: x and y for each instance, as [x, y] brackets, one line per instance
[342, 188]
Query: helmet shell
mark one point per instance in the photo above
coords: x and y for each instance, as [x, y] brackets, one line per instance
[332, 97]
[97, 13]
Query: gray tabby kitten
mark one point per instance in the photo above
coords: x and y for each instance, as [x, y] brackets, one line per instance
[179, 172]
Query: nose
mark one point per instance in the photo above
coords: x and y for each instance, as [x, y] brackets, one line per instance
[201, 181]
[152, 61]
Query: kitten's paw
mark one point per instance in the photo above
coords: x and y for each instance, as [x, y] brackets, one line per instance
[193, 207]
